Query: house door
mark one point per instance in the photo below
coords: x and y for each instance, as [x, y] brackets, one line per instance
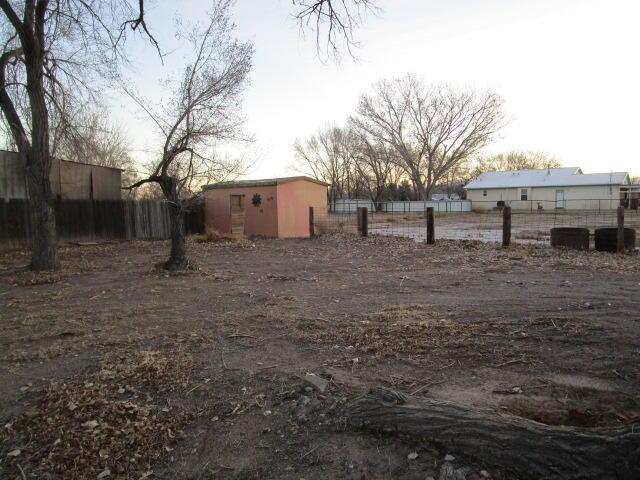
[237, 215]
[560, 203]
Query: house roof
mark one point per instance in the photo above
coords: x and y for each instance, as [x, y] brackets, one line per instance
[266, 182]
[546, 177]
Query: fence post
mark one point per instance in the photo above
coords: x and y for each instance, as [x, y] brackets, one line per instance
[620, 242]
[4, 231]
[363, 221]
[506, 226]
[431, 237]
[312, 230]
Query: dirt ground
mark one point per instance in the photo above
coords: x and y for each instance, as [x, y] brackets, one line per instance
[113, 369]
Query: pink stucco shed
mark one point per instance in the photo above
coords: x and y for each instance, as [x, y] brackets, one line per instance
[277, 207]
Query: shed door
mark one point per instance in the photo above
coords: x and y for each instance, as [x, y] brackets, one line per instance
[237, 215]
[560, 203]
[237, 203]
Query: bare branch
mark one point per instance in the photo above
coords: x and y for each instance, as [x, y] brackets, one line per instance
[136, 23]
[333, 23]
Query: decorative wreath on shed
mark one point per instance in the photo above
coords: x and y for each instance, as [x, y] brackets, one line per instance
[256, 200]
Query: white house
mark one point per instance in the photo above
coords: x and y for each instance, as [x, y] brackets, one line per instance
[549, 188]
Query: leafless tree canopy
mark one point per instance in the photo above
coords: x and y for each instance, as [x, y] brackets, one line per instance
[431, 129]
[351, 162]
[333, 22]
[375, 165]
[77, 42]
[203, 109]
[328, 156]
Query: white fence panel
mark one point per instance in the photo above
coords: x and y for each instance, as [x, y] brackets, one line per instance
[346, 205]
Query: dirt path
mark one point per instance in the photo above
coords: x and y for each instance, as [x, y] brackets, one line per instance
[544, 334]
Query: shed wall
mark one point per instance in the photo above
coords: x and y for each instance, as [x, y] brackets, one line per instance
[294, 200]
[12, 176]
[259, 220]
[81, 181]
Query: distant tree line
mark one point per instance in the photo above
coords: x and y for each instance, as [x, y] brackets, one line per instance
[408, 141]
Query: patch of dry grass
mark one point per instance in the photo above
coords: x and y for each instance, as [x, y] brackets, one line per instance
[531, 235]
[213, 236]
[395, 330]
[217, 237]
[333, 226]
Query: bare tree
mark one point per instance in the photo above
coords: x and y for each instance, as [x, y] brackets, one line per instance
[431, 129]
[204, 109]
[328, 156]
[46, 45]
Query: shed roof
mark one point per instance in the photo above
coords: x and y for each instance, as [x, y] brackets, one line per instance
[16, 155]
[91, 164]
[546, 177]
[265, 182]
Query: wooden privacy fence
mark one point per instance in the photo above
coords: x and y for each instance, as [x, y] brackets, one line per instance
[82, 220]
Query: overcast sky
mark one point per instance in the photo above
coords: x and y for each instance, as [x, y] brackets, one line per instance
[567, 69]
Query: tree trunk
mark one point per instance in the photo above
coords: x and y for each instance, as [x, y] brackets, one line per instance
[38, 168]
[44, 252]
[376, 200]
[419, 189]
[427, 192]
[178, 256]
[526, 448]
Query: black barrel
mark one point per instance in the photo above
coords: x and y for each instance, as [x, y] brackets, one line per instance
[570, 237]
[607, 239]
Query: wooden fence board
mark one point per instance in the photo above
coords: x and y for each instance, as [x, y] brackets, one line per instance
[78, 220]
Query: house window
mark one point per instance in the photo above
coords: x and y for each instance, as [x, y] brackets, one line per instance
[524, 194]
[484, 193]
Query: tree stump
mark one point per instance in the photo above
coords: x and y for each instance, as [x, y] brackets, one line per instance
[528, 449]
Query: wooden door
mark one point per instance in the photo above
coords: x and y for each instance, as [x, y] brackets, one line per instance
[237, 215]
